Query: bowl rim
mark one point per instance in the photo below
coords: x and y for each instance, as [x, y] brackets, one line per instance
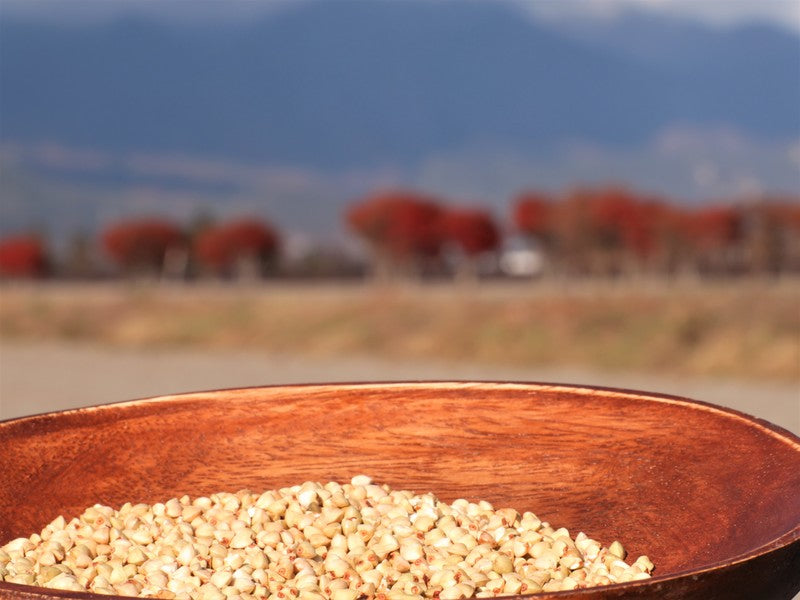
[788, 539]
[766, 426]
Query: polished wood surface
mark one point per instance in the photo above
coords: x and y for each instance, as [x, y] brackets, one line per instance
[712, 496]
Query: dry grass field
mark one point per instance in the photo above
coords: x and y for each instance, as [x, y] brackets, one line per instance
[743, 329]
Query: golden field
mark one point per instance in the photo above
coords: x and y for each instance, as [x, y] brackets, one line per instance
[743, 329]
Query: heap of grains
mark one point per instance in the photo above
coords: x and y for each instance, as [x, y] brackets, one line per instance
[357, 541]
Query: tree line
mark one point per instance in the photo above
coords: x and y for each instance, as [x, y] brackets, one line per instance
[611, 231]
[158, 247]
[593, 231]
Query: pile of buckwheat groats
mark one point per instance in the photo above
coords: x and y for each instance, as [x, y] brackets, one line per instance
[313, 542]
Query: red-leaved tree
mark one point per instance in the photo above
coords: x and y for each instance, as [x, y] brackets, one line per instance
[715, 226]
[237, 246]
[539, 218]
[22, 256]
[141, 245]
[573, 236]
[602, 230]
[714, 231]
[534, 216]
[624, 227]
[771, 235]
[661, 241]
[785, 212]
[614, 230]
[473, 232]
[403, 228]
[612, 212]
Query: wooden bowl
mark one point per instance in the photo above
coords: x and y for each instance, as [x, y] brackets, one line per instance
[711, 495]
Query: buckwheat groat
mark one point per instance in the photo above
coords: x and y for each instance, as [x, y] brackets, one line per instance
[313, 542]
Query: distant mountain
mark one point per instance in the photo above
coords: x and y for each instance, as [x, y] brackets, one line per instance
[747, 76]
[358, 85]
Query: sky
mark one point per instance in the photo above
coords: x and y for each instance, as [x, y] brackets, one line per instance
[717, 12]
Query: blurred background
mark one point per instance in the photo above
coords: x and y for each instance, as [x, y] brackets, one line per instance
[216, 194]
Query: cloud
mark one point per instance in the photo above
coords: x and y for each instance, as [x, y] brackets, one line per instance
[705, 175]
[714, 12]
[53, 155]
[717, 12]
[183, 11]
[693, 164]
[681, 139]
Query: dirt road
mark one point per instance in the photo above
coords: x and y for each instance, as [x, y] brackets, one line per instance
[39, 377]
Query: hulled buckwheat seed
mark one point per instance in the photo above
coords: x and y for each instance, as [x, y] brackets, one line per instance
[357, 541]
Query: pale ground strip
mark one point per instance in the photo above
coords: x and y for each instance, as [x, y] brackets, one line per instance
[38, 377]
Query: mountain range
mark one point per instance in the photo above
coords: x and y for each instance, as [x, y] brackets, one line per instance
[350, 84]
[347, 86]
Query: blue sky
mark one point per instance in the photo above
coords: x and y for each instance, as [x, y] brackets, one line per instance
[717, 12]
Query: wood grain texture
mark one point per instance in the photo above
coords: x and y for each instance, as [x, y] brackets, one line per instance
[712, 496]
